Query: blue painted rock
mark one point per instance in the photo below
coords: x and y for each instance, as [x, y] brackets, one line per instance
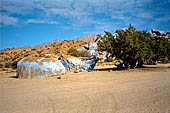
[34, 67]
[91, 48]
[83, 64]
[89, 63]
[71, 64]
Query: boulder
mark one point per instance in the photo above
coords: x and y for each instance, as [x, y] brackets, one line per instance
[168, 35]
[156, 32]
[71, 64]
[39, 67]
[91, 48]
[83, 64]
[35, 67]
[88, 63]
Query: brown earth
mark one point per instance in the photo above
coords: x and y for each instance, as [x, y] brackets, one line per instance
[104, 91]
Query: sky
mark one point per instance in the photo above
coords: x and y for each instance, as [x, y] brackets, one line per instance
[31, 22]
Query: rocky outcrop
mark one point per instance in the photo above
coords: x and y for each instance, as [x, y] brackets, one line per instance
[42, 67]
[156, 32]
[86, 38]
[168, 35]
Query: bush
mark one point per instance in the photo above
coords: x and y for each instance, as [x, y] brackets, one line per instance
[33, 49]
[1, 66]
[14, 64]
[73, 52]
[83, 53]
[109, 59]
[7, 65]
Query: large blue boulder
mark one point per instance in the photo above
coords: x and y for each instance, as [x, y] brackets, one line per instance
[71, 64]
[35, 67]
[89, 63]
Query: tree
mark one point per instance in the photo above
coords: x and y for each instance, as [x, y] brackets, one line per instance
[134, 47]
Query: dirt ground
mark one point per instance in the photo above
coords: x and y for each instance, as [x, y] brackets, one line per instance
[128, 91]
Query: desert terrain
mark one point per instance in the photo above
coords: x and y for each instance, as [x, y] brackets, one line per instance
[105, 90]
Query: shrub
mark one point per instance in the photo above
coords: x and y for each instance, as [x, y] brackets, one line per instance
[73, 52]
[1, 66]
[83, 53]
[109, 59]
[7, 65]
[33, 49]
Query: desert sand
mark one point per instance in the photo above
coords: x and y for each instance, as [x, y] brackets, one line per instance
[128, 91]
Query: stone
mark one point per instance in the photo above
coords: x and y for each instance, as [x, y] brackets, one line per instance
[71, 64]
[36, 67]
[168, 35]
[156, 32]
[89, 63]
[33, 67]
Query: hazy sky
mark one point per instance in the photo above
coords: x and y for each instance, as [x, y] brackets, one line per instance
[31, 22]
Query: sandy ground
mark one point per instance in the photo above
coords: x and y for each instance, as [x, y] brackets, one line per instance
[130, 91]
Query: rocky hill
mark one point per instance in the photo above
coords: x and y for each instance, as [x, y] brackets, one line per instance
[44, 44]
[9, 57]
[47, 43]
[86, 38]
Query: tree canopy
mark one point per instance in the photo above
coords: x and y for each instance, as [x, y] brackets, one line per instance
[134, 47]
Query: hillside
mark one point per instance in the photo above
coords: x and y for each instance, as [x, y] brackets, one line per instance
[9, 57]
[47, 43]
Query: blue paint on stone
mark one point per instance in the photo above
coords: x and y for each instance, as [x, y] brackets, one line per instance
[35, 69]
[89, 63]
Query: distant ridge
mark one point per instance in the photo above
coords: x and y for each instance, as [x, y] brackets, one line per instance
[44, 44]
[86, 38]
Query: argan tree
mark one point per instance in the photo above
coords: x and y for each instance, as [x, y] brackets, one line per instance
[134, 47]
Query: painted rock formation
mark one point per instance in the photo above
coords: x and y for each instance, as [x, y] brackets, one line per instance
[41, 67]
[89, 63]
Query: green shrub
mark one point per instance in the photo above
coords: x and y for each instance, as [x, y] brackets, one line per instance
[1, 66]
[33, 49]
[73, 52]
[109, 59]
[83, 53]
[7, 65]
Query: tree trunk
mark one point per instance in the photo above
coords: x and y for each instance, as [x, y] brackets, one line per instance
[140, 64]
